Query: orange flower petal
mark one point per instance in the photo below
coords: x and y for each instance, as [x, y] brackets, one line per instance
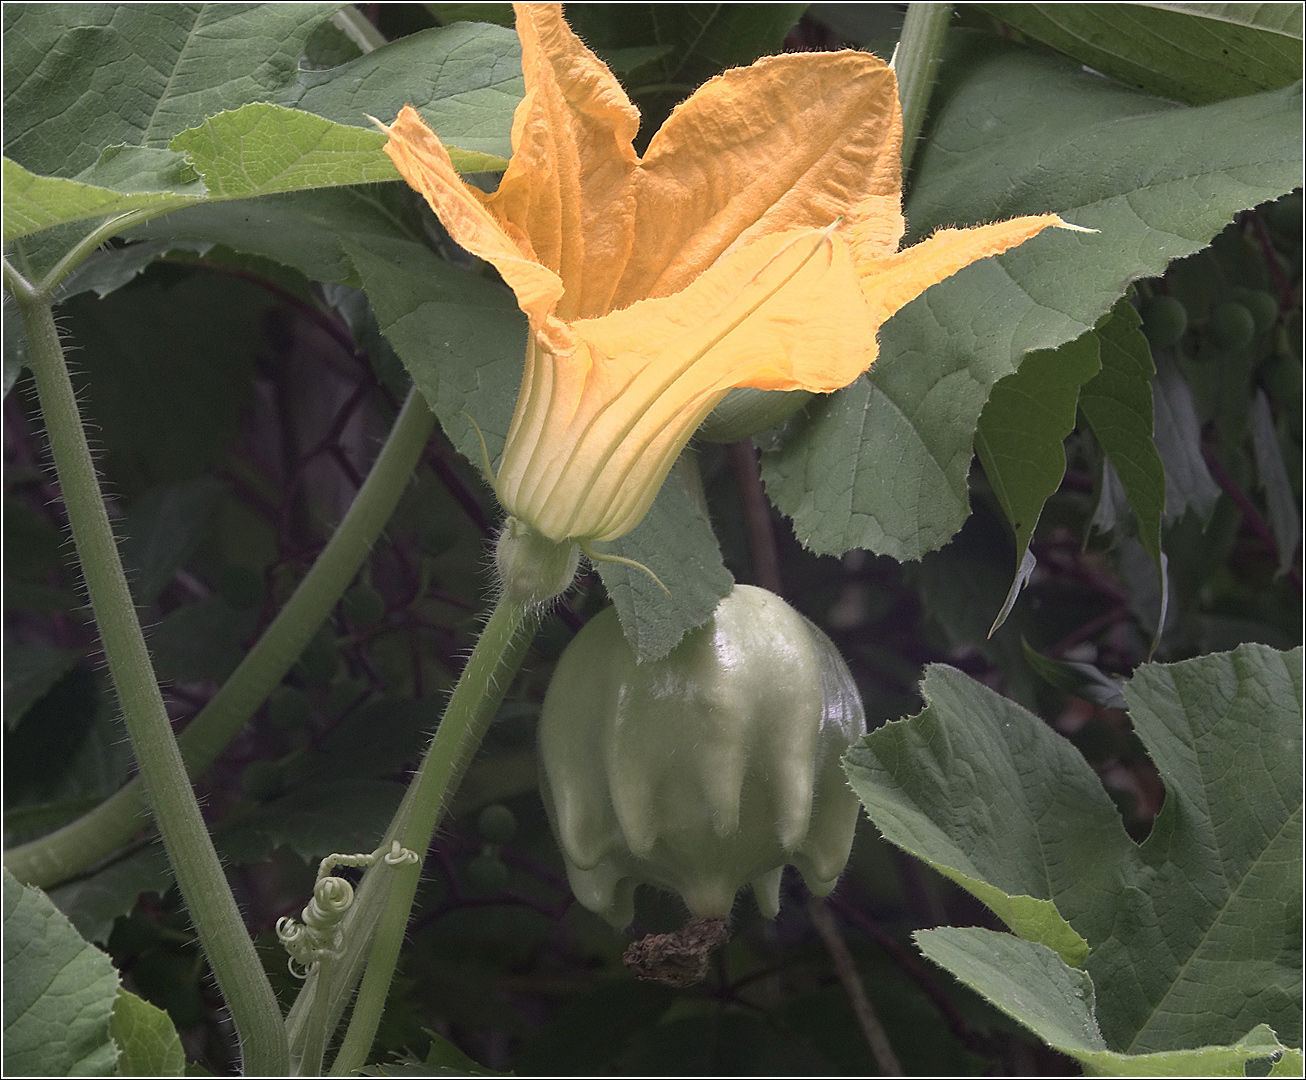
[892, 282]
[567, 184]
[791, 141]
[587, 458]
[423, 161]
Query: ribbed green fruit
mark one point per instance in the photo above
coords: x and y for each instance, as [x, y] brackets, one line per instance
[704, 771]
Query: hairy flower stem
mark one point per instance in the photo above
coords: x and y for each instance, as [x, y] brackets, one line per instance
[208, 898]
[489, 672]
[93, 836]
[916, 63]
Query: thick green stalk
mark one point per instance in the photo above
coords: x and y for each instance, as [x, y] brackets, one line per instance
[916, 63]
[194, 861]
[93, 836]
[498, 655]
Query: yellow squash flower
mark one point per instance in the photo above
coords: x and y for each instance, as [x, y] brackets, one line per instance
[754, 244]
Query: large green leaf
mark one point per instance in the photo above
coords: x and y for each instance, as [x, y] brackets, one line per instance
[308, 130]
[1051, 837]
[1193, 934]
[262, 149]
[461, 337]
[465, 80]
[883, 463]
[304, 229]
[1020, 436]
[1195, 53]
[58, 992]
[32, 203]
[109, 269]
[258, 149]
[1031, 984]
[1203, 944]
[82, 77]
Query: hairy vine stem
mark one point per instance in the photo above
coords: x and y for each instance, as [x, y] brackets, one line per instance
[240, 975]
[916, 63]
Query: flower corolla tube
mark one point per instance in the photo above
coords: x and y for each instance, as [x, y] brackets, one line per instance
[755, 244]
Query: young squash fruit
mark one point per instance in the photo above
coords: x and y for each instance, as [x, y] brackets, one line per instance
[704, 771]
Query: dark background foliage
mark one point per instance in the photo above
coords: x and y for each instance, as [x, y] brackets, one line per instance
[236, 407]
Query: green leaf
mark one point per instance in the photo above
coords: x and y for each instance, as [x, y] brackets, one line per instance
[1293, 1063]
[1032, 985]
[1193, 934]
[471, 81]
[82, 77]
[1195, 53]
[1285, 519]
[883, 464]
[1082, 680]
[33, 203]
[444, 1059]
[161, 530]
[58, 992]
[465, 80]
[92, 903]
[461, 337]
[146, 1037]
[1006, 808]
[1177, 434]
[201, 640]
[30, 672]
[262, 149]
[305, 230]
[167, 373]
[330, 816]
[1203, 943]
[675, 541]
[1019, 439]
[109, 269]
[1118, 405]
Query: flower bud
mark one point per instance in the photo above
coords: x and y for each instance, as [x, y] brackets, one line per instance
[704, 771]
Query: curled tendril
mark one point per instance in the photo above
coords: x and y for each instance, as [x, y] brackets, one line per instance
[398, 855]
[320, 937]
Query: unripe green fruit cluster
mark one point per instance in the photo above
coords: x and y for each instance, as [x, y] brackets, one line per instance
[1164, 321]
[707, 770]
